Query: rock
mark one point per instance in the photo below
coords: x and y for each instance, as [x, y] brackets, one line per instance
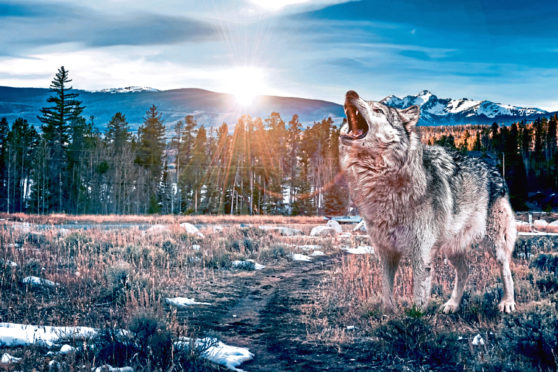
[184, 302]
[191, 230]
[540, 224]
[317, 254]
[361, 226]
[37, 282]
[362, 249]
[66, 349]
[322, 231]
[285, 231]
[158, 229]
[335, 226]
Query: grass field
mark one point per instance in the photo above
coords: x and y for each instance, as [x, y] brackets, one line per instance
[321, 312]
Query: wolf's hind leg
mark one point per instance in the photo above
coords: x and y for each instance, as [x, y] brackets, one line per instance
[459, 263]
[501, 236]
[390, 262]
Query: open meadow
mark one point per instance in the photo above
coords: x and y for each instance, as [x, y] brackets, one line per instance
[206, 293]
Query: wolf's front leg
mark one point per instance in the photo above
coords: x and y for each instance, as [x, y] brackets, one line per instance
[390, 262]
[422, 276]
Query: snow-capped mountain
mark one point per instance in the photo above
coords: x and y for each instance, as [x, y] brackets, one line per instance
[438, 111]
[131, 89]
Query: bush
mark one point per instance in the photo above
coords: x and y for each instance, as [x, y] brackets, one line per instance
[531, 338]
[546, 262]
[477, 308]
[414, 338]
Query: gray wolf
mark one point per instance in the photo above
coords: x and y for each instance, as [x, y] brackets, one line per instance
[423, 200]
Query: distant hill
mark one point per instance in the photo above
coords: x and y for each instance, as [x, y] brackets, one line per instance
[212, 108]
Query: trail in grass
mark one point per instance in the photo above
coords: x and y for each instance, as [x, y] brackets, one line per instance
[261, 312]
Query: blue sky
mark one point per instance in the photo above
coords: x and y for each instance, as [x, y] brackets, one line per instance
[505, 51]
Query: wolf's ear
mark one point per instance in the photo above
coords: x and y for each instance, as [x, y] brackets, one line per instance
[410, 116]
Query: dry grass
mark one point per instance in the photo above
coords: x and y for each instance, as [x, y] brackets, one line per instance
[55, 219]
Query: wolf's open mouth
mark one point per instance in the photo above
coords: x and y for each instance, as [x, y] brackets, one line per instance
[357, 124]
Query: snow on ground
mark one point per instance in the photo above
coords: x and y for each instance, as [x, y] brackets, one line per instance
[184, 302]
[323, 231]
[218, 352]
[8, 263]
[308, 247]
[109, 368]
[247, 265]
[317, 254]
[9, 359]
[536, 234]
[301, 257]
[65, 349]
[478, 340]
[362, 249]
[36, 281]
[12, 334]
[285, 231]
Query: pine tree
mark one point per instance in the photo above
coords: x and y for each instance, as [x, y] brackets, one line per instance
[151, 147]
[57, 120]
[4, 129]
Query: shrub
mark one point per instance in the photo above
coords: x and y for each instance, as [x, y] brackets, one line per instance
[546, 262]
[531, 337]
[414, 338]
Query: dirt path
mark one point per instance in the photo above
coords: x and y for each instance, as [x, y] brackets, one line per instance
[262, 314]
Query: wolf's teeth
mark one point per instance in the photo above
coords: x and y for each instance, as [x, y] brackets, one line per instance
[356, 112]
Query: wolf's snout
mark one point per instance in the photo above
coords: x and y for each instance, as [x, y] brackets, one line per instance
[351, 94]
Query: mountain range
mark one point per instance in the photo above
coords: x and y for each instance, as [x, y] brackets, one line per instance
[212, 108]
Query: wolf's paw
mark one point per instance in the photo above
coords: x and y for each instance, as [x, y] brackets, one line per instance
[506, 306]
[449, 307]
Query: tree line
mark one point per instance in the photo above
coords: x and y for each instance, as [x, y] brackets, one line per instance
[526, 154]
[260, 166]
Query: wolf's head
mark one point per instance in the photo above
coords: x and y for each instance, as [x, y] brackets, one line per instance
[377, 133]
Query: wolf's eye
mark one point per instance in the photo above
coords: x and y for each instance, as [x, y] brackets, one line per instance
[377, 111]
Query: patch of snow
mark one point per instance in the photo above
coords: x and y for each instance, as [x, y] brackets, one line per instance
[335, 226]
[537, 234]
[301, 257]
[218, 352]
[309, 247]
[13, 334]
[317, 254]
[36, 281]
[478, 340]
[322, 231]
[9, 359]
[247, 265]
[8, 263]
[196, 247]
[553, 223]
[285, 231]
[184, 302]
[363, 249]
[351, 328]
[191, 230]
[130, 89]
[109, 368]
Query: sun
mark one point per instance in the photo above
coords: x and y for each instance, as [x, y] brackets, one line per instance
[245, 84]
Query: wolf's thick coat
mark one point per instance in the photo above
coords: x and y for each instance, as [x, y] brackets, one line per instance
[422, 200]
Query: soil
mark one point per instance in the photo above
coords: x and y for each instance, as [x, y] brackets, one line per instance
[263, 314]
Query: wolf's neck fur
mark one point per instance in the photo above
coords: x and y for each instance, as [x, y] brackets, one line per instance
[382, 191]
